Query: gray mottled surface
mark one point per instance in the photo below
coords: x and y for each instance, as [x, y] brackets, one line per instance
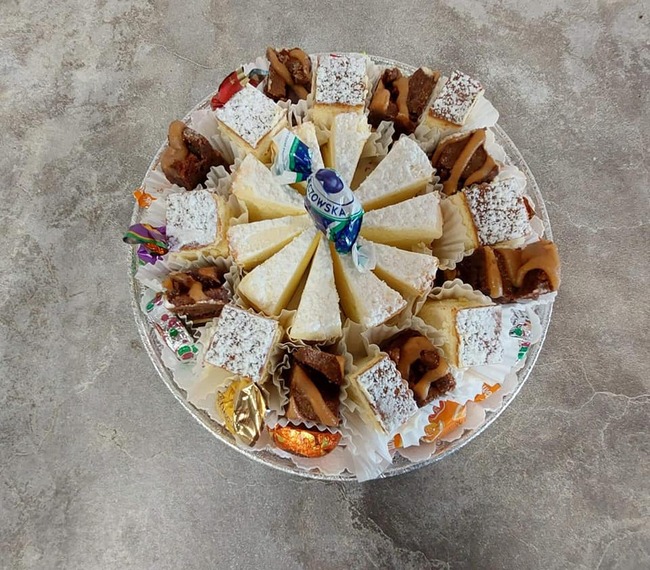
[99, 465]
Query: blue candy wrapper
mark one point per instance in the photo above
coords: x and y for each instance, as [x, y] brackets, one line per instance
[331, 204]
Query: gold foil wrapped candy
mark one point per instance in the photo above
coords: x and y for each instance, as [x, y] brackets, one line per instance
[305, 442]
[242, 407]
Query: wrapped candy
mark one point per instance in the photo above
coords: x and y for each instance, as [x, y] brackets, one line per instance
[304, 441]
[331, 204]
[235, 82]
[242, 407]
[152, 241]
[171, 330]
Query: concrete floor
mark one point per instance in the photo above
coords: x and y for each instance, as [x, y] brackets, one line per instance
[99, 465]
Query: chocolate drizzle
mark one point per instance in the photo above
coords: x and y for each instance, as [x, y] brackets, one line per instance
[198, 293]
[508, 275]
[401, 99]
[421, 365]
[188, 157]
[289, 74]
[462, 160]
[314, 386]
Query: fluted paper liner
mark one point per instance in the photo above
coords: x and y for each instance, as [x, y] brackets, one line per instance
[379, 141]
[450, 247]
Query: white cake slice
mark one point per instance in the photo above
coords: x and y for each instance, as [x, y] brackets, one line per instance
[318, 317]
[384, 398]
[349, 134]
[365, 298]
[340, 86]
[254, 184]
[250, 244]
[196, 223]
[408, 272]
[250, 120]
[269, 286]
[404, 172]
[472, 331]
[454, 102]
[243, 343]
[418, 220]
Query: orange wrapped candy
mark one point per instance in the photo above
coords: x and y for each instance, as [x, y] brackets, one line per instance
[303, 441]
[487, 391]
[446, 416]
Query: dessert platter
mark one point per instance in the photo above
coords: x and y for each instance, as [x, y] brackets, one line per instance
[343, 266]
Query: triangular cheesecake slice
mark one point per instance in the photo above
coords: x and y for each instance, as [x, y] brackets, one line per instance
[403, 173]
[254, 184]
[318, 316]
[250, 244]
[418, 220]
[408, 272]
[349, 134]
[269, 286]
[365, 298]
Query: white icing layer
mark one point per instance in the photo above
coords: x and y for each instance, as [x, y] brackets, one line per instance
[255, 184]
[192, 219]
[270, 285]
[251, 114]
[406, 167]
[479, 330]
[498, 210]
[365, 298]
[242, 343]
[318, 316]
[254, 242]
[350, 131]
[412, 221]
[409, 272]
[341, 79]
[388, 394]
[456, 99]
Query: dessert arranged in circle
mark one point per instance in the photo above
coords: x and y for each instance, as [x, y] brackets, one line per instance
[338, 260]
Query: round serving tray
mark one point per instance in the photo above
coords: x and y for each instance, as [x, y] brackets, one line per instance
[400, 464]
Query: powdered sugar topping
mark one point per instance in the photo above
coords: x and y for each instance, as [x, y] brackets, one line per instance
[388, 394]
[251, 114]
[341, 79]
[243, 342]
[456, 99]
[499, 211]
[192, 219]
[479, 330]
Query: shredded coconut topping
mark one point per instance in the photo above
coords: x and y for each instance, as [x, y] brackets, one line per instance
[498, 210]
[243, 342]
[192, 219]
[388, 394]
[479, 330]
[341, 79]
[404, 165]
[456, 99]
[251, 114]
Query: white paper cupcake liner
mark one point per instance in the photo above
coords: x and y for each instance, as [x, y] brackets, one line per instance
[450, 247]
[204, 122]
[379, 141]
